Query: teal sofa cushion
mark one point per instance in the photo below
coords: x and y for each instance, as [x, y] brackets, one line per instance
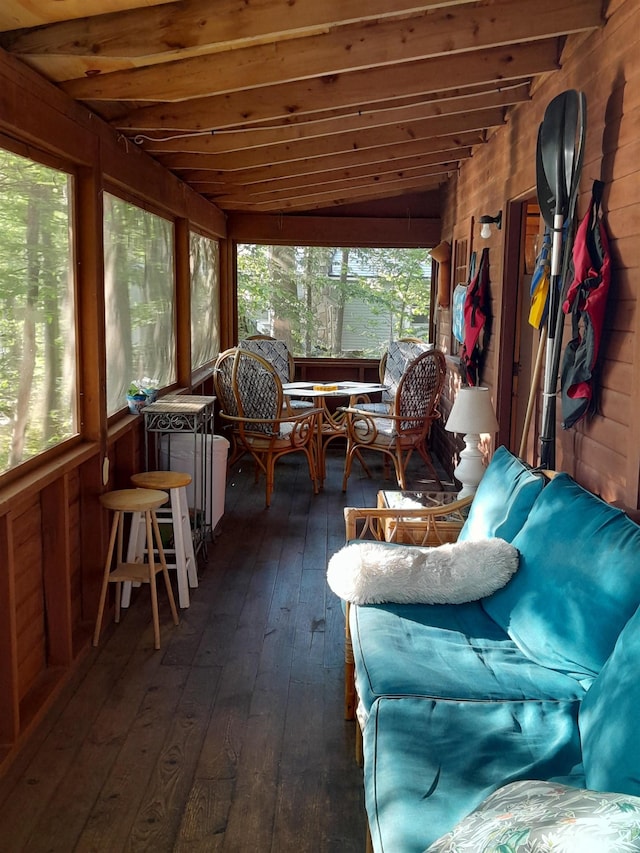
[504, 498]
[609, 718]
[578, 582]
[451, 651]
[428, 762]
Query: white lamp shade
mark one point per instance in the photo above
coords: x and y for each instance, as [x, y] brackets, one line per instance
[471, 414]
[472, 411]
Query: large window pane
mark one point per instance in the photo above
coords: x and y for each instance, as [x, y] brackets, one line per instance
[37, 325]
[337, 302]
[205, 299]
[139, 298]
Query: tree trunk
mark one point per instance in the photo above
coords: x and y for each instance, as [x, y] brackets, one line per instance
[28, 360]
[286, 313]
[308, 285]
[336, 337]
[52, 369]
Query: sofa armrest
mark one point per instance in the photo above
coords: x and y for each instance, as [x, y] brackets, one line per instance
[431, 525]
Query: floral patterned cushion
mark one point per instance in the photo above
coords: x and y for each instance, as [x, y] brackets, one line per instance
[541, 817]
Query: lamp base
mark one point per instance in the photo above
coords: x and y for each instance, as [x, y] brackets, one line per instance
[470, 470]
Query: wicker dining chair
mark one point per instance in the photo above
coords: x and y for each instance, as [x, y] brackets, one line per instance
[277, 353]
[252, 403]
[405, 428]
[393, 363]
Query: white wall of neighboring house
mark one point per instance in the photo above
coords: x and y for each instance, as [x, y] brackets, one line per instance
[364, 330]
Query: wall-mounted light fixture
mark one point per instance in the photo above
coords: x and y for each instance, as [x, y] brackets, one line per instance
[487, 221]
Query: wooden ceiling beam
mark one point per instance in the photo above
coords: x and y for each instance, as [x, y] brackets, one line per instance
[355, 47]
[441, 146]
[362, 121]
[406, 167]
[517, 89]
[315, 149]
[42, 13]
[299, 149]
[351, 230]
[177, 27]
[279, 176]
[250, 195]
[419, 78]
[315, 201]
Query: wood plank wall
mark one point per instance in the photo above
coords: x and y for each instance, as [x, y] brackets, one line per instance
[603, 453]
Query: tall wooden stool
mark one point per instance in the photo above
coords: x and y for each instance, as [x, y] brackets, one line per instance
[177, 515]
[144, 501]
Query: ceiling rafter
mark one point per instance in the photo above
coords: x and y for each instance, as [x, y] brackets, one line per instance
[367, 161]
[176, 27]
[419, 78]
[320, 185]
[274, 105]
[259, 179]
[259, 157]
[388, 135]
[350, 48]
[257, 137]
[316, 201]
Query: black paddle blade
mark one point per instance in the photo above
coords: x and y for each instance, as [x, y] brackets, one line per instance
[560, 138]
[569, 138]
[545, 195]
[574, 136]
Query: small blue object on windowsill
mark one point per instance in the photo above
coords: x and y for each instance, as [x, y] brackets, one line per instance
[137, 402]
[141, 393]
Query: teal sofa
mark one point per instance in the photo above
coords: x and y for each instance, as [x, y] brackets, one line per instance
[536, 682]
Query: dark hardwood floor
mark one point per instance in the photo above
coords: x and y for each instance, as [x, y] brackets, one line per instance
[231, 738]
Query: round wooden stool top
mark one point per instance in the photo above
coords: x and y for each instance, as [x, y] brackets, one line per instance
[161, 479]
[134, 500]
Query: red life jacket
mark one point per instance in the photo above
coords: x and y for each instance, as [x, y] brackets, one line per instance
[586, 302]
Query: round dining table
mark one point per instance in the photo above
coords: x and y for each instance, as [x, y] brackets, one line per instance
[331, 424]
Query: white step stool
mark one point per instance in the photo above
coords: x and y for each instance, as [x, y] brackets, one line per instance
[177, 514]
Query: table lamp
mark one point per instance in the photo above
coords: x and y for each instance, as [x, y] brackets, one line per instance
[471, 414]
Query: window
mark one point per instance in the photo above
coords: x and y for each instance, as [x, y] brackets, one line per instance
[205, 299]
[339, 302]
[37, 310]
[139, 299]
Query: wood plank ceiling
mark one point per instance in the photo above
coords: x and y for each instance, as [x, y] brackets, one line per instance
[296, 105]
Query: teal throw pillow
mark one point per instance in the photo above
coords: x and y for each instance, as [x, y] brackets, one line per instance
[504, 498]
[578, 582]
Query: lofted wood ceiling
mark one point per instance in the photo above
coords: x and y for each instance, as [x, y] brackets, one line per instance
[298, 105]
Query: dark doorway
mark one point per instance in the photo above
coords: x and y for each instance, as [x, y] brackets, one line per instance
[519, 405]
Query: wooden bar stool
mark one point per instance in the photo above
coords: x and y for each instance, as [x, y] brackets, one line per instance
[145, 502]
[177, 515]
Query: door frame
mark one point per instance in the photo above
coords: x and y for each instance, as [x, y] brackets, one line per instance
[518, 338]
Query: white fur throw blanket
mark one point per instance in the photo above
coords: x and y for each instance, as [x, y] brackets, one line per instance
[376, 572]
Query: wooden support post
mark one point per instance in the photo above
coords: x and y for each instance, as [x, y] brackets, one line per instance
[56, 558]
[9, 698]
